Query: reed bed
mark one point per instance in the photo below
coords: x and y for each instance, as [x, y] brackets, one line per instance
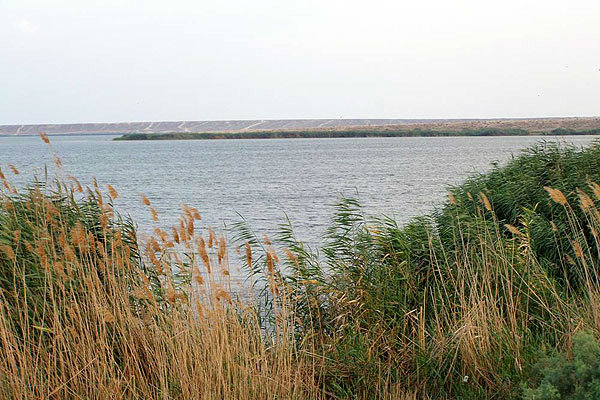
[457, 304]
[460, 303]
[86, 311]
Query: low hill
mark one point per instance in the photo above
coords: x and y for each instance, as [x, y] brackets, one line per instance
[531, 125]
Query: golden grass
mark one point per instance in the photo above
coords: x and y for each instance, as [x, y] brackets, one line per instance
[106, 324]
[104, 334]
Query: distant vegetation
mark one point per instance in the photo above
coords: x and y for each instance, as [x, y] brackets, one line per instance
[495, 295]
[293, 134]
[528, 124]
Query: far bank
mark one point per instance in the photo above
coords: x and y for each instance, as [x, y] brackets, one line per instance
[355, 133]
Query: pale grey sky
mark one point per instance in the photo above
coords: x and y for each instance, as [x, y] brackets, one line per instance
[104, 61]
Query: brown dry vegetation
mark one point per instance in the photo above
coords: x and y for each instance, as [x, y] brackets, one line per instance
[82, 316]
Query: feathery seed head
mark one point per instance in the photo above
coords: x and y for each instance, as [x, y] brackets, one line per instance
[112, 192]
[585, 201]
[44, 137]
[248, 255]
[13, 169]
[451, 199]
[513, 230]
[556, 195]
[485, 201]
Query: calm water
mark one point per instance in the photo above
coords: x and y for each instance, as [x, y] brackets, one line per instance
[263, 179]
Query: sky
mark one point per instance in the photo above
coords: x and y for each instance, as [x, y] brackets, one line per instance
[115, 61]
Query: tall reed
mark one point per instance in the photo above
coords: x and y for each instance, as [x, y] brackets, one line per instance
[87, 311]
[456, 304]
[459, 303]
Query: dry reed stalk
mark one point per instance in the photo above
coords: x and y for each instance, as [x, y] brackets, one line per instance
[201, 245]
[209, 354]
[44, 137]
[211, 238]
[13, 169]
[112, 192]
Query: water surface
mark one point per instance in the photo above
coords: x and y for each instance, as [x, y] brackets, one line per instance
[265, 179]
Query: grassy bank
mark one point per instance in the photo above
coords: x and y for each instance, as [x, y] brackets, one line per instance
[350, 133]
[469, 302]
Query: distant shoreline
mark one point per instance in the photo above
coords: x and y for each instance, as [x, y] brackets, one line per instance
[537, 125]
[354, 133]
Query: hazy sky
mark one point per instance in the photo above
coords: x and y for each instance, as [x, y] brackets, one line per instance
[102, 61]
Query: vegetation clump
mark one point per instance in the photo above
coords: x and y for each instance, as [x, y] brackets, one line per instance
[88, 310]
[312, 134]
[350, 133]
[568, 378]
[459, 302]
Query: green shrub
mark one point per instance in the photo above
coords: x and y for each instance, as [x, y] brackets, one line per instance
[561, 377]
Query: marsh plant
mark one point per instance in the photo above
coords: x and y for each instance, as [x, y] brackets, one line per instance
[88, 310]
[466, 302]
[458, 303]
[568, 376]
